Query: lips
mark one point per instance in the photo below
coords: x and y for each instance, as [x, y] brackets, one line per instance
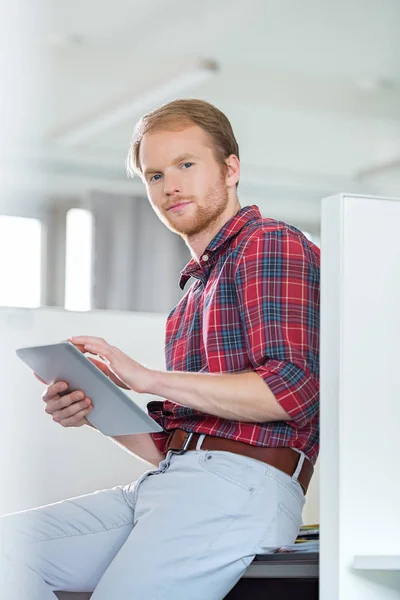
[178, 206]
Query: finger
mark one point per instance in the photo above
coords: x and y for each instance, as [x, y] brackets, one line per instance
[40, 379]
[71, 411]
[77, 420]
[80, 347]
[100, 365]
[95, 345]
[108, 354]
[105, 369]
[60, 402]
[118, 382]
[82, 340]
[54, 390]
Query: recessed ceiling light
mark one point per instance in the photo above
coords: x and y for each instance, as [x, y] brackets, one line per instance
[375, 84]
[58, 40]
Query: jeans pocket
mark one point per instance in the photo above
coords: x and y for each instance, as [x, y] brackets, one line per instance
[289, 525]
[230, 467]
[282, 531]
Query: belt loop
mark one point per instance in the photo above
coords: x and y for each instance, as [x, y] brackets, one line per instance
[200, 441]
[299, 465]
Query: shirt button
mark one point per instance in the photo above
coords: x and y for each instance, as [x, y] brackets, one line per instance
[205, 257]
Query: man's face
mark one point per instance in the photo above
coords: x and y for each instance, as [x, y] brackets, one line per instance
[184, 182]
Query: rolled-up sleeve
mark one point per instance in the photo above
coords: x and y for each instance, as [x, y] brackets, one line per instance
[277, 285]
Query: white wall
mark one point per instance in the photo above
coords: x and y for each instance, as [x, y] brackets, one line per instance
[43, 462]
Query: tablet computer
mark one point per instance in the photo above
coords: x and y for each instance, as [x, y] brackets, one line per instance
[114, 412]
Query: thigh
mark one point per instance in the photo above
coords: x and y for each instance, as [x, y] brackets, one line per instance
[69, 544]
[195, 526]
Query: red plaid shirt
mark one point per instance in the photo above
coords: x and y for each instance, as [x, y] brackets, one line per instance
[254, 304]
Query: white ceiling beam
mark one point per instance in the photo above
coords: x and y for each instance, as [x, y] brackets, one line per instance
[125, 108]
[378, 169]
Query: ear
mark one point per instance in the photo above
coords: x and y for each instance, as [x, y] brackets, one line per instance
[232, 170]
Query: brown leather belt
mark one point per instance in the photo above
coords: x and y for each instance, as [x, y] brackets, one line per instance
[285, 459]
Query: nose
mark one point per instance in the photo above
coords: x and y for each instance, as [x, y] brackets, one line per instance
[172, 184]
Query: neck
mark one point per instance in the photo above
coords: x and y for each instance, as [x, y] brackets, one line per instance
[199, 242]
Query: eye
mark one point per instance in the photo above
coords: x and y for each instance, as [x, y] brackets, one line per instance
[155, 177]
[187, 165]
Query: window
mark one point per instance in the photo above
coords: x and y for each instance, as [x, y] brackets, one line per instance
[20, 261]
[78, 263]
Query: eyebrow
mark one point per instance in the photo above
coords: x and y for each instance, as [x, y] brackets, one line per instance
[177, 160]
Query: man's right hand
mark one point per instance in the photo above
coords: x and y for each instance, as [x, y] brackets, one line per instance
[68, 409]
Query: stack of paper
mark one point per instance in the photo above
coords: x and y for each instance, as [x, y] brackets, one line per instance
[307, 541]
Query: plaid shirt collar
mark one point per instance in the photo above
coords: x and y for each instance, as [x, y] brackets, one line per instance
[228, 231]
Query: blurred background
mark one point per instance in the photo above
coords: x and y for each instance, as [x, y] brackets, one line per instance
[312, 90]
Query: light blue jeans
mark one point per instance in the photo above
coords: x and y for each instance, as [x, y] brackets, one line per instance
[185, 531]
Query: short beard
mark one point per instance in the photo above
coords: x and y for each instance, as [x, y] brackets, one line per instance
[206, 216]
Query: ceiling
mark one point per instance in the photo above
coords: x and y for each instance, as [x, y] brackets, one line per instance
[312, 89]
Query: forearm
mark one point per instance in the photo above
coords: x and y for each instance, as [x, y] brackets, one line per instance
[139, 444]
[235, 396]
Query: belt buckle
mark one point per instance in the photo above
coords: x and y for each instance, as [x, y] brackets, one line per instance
[185, 445]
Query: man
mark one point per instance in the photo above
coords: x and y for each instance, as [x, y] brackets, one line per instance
[240, 415]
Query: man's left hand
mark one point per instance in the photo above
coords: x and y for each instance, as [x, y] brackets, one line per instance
[134, 375]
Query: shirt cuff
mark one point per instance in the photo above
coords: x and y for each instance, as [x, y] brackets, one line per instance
[296, 390]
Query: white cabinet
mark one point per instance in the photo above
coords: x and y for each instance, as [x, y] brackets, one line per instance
[360, 399]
